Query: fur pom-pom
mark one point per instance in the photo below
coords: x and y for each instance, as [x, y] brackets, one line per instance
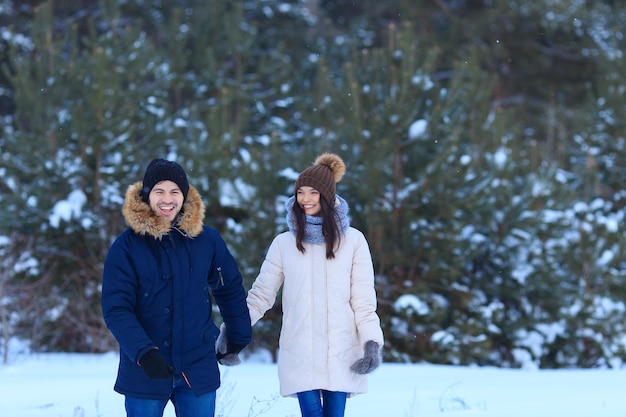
[334, 162]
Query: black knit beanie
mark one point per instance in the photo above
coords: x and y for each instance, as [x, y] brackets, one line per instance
[323, 175]
[161, 170]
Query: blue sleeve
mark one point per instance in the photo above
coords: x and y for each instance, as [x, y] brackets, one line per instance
[119, 295]
[230, 294]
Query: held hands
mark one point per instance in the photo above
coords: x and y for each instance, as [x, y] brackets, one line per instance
[369, 361]
[227, 353]
[155, 366]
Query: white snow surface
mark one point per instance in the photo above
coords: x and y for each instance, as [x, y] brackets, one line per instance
[81, 385]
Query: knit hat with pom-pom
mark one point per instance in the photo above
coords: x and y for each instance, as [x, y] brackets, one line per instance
[323, 175]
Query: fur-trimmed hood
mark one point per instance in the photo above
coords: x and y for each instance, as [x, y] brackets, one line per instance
[140, 217]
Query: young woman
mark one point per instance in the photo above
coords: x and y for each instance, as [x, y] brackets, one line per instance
[331, 335]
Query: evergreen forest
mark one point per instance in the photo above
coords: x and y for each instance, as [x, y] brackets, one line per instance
[485, 145]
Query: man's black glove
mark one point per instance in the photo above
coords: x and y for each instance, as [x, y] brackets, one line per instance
[155, 366]
[369, 361]
[227, 353]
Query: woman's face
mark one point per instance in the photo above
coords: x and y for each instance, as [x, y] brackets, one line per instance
[309, 200]
[166, 199]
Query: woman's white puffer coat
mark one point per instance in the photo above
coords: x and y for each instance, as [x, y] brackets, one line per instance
[329, 311]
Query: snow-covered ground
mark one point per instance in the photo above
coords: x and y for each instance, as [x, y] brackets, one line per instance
[80, 385]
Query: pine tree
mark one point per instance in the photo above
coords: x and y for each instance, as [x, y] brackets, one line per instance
[483, 142]
[86, 105]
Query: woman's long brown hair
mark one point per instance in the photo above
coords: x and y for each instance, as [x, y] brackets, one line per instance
[330, 226]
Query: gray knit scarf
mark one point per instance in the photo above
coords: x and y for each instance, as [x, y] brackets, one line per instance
[313, 225]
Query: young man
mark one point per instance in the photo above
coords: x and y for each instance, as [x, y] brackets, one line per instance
[156, 298]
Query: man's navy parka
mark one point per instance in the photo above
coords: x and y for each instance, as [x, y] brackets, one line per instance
[156, 293]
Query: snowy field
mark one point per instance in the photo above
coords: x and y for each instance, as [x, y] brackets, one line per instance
[80, 385]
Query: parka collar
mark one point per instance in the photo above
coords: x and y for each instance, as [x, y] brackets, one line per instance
[140, 217]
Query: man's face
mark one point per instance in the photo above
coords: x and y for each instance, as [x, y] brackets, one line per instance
[166, 199]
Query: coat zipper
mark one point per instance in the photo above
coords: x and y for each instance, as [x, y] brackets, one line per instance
[219, 273]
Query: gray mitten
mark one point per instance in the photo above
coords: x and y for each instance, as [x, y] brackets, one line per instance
[369, 361]
[227, 353]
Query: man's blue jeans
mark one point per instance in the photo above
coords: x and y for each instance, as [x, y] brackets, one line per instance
[186, 404]
[322, 403]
